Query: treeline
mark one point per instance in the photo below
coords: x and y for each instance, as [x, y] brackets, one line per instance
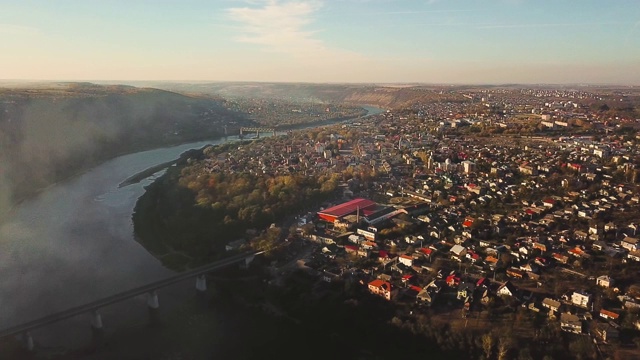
[195, 213]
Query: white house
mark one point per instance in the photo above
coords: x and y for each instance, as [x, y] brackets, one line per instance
[507, 289]
[406, 260]
[581, 298]
[458, 250]
[570, 323]
[604, 281]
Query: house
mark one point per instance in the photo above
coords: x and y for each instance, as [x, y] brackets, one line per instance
[465, 290]
[551, 304]
[381, 288]
[540, 246]
[581, 298]
[515, 273]
[483, 282]
[491, 260]
[408, 279]
[507, 289]
[604, 281]
[330, 275]
[629, 243]
[529, 267]
[570, 323]
[406, 260]
[412, 292]
[549, 203]
[458, 251]
[428, 294]
[400, 268]
[634, 255]
[453, 280]
[608, 315]
[426, 252]
[604, 331]
[563, 259]
[351, 249]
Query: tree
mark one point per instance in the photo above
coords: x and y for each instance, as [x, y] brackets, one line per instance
[504, 345]
[487, 344]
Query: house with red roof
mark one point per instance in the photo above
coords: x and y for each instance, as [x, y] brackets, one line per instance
[453, 280]
[609, 315]
[406, 259]
[381, 288]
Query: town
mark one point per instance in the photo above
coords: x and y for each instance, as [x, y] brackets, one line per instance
[507, 203]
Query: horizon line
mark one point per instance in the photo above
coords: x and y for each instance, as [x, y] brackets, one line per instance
[414, 83]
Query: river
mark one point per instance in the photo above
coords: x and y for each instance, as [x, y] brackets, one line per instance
[73, 243]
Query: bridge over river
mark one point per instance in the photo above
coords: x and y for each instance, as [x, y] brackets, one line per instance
[150, 289]
[257, 130]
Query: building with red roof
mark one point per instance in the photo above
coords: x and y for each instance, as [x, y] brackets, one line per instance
[381, 288]
[349, 208]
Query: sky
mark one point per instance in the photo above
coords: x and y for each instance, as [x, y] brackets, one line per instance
[336, 41]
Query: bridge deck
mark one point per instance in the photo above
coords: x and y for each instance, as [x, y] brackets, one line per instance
[49, 319]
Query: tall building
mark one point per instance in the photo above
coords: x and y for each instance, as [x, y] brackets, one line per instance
[430, 161]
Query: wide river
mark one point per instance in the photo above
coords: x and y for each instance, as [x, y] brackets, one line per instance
[74, 243]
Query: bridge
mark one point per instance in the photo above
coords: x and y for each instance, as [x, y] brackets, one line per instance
[150, 289]
[257, 130]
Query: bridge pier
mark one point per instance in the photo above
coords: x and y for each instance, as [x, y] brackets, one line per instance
[247, 262]
[96, 320]
[257, 134]
[28, 341]
[152, 300]
[201, 283]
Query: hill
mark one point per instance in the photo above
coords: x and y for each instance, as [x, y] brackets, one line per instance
[51, 131]
[387, 96]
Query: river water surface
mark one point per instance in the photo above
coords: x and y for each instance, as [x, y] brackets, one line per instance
[74, 243]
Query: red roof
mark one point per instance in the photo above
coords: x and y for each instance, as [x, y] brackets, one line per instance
[407, 277]
[348, 207]
[415, 288]
[426, 251]
[608, 313]
[380, 284]
[383, 254]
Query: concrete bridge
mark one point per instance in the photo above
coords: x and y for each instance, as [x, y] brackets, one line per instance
[243, 259]
[257, 130]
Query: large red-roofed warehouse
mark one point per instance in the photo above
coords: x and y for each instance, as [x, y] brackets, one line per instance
[351, 207]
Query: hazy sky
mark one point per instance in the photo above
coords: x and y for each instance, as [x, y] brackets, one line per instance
[434, 41]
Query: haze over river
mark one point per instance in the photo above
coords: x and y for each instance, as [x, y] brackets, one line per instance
[74, 243]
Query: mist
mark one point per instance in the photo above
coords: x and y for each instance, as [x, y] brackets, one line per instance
[49, 134]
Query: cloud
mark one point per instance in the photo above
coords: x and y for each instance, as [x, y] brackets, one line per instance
[279, 26]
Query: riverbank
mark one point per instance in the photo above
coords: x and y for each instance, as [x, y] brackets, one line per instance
[187, 215]
[136, 178]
